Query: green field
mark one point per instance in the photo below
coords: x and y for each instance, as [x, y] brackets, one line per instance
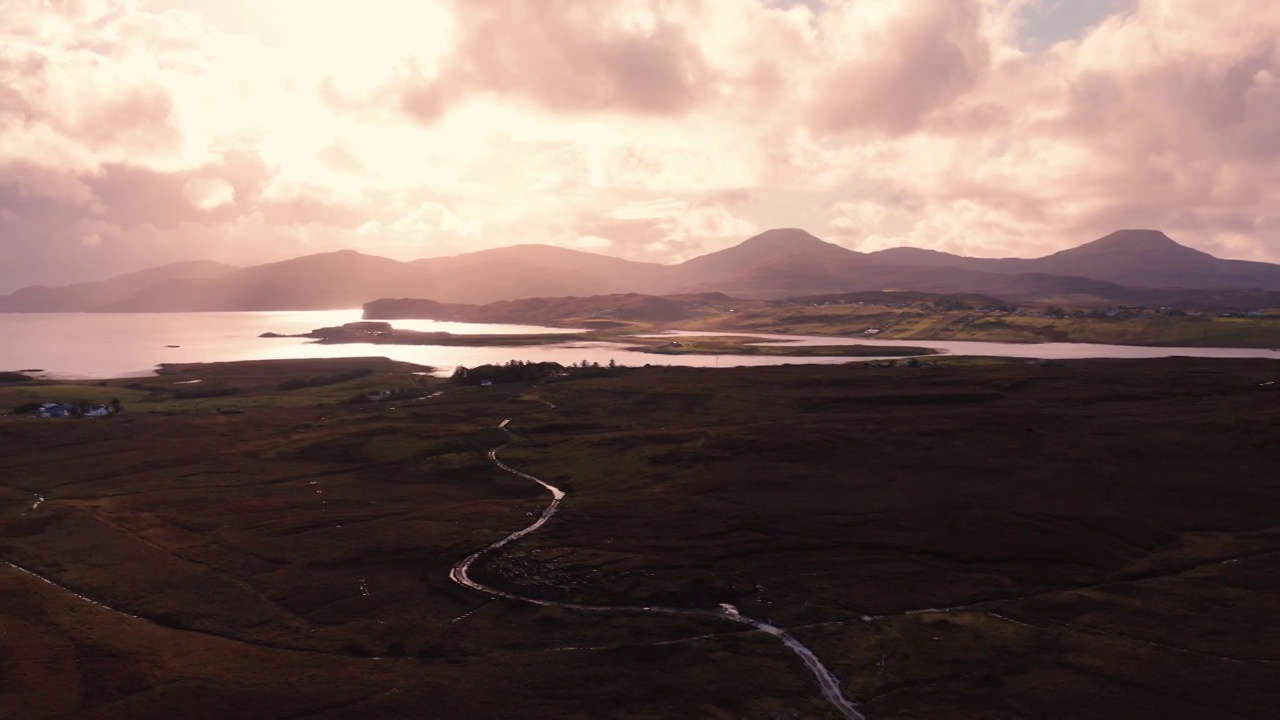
[916, 324]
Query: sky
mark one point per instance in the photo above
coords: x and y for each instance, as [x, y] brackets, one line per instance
[140, 132]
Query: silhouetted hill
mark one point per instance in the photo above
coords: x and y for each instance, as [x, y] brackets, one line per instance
[591, 311]
[324, 281]
[769, 247]
[92, 295]
[538, 270]
[1144, 258]
[925, 258]
[347, 279]
[789, 276]
[533, 271]
[1130, 266]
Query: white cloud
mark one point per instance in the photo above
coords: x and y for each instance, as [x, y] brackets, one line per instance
[593, 242]
[878, 121]
[208, 193]
[649, 209]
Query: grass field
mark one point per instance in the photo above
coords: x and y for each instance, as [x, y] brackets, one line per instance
[1156, 331]
[912, 323]
[1098, 539]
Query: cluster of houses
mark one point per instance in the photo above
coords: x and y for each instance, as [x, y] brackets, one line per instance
[66, 410]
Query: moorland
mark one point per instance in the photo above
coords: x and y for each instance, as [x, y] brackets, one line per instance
[975, 538]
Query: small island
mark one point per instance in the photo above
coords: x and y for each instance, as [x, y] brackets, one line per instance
[382, 333]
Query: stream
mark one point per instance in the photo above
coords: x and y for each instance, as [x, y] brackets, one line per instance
[827, 681]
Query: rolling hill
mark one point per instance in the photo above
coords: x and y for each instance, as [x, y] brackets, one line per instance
[104, 293]
[769, 248]
[1129, 266]
[1143, 258]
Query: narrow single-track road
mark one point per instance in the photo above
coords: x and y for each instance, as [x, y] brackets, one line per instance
[461, 574]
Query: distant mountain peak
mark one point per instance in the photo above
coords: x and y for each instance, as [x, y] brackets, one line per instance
[1143, 235]
[784, 239]
[766, 247]
[779, 262]
[1135, 240]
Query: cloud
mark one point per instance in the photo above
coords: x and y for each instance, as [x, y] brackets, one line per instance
[427, 230]
[919, 58]
[134, 132]
[579, 57]
[666, 229]
[593, 242]
[208, 193]
[1147, 120]
[649, 209]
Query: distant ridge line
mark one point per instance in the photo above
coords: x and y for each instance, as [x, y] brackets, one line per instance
[776, 263]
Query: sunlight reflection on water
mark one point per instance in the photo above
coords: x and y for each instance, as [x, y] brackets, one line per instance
[120, 345]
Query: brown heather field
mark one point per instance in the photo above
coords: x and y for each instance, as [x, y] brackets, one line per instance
[1097, 539]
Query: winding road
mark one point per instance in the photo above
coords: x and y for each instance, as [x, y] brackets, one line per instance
[461, 574]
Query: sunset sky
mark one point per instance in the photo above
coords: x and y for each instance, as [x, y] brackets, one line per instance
[135, 133]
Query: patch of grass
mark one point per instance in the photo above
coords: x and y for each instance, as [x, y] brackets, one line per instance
[342, 377]
[913, 323]
[53, 391]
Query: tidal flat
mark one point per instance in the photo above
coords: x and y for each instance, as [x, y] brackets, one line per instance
[975, 538]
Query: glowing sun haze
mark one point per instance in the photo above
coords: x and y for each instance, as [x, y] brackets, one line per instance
[139, 132]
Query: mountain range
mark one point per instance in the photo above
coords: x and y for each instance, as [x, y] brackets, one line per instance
[1128, 267]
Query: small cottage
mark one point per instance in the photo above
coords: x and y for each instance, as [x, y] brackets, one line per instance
[54, 410]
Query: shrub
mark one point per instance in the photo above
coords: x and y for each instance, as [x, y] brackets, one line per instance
[206, 391]
[25, 409]
[513, 371]
[321, 381]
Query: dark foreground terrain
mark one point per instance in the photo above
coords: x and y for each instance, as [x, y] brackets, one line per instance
[980, 539]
